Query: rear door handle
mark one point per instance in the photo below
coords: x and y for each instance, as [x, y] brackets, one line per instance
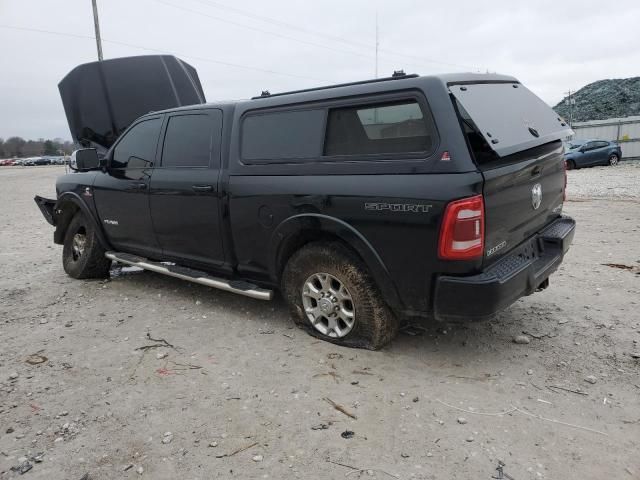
[202, 188]
[141, 186]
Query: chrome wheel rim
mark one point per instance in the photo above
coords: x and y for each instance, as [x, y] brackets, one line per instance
[328, 305]
[78, 245]
[613, 159]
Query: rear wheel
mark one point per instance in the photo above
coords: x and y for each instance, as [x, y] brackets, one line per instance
[333, 297]
[613, 159]
[82, 254]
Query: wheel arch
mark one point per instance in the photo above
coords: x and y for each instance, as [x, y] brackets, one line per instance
[297, 231]
[67, 205]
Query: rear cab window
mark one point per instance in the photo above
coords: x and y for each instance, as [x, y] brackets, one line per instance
[345, 131]
[187, 141]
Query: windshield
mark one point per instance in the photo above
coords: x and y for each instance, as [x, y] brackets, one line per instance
[572, 145]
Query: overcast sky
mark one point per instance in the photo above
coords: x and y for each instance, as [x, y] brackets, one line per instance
[551, 46]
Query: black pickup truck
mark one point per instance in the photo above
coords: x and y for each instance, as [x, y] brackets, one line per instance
[363, 203]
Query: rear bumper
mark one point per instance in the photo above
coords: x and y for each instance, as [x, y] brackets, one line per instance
[520, 273]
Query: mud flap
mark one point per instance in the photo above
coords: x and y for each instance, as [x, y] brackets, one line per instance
[46, 206]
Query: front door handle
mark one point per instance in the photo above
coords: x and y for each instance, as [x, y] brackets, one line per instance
[202, 188]
[141, 186]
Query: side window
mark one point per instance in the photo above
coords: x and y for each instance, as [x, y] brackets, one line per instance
[137, 149]
[295, 134]
[383, 128]
[187, 141]
[602, 144]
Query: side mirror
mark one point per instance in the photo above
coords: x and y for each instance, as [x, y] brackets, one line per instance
[84, 159]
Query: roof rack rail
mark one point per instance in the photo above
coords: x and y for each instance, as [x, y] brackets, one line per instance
[397, 75]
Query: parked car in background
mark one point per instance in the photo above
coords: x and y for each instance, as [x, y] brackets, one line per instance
[31, 161]
[57, 160]
[587, 153]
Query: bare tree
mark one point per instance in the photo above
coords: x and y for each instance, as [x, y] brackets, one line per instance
[13, 146]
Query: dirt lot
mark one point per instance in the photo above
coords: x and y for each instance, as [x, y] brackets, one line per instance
[243, 392]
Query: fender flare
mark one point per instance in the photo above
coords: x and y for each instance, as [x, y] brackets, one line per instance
[61, 229]
[292, 226]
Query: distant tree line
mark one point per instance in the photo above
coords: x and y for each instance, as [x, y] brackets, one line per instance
[19, 147]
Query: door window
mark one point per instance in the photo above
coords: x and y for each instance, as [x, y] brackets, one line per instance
[137, 149]
[187, 141]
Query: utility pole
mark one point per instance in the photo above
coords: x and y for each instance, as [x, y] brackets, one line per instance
[377, 44]
[571, 102]
[96, 24]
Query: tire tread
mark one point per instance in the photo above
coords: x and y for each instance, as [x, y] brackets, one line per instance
[376, 325]
[94, 264]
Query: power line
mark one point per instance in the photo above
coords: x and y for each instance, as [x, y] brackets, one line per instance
[156, 50]
[260, 30]
[295, 39]
[336, 38]
[275, 21]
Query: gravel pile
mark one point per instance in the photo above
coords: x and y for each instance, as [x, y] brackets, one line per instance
[611, 98]
[620, 182]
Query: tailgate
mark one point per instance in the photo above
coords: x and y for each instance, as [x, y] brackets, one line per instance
[516, 142]
[521, 197]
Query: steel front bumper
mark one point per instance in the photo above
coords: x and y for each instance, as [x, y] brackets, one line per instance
[519, 273]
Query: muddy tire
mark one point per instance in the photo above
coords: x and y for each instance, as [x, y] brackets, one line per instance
[82, 254]
[333, 297]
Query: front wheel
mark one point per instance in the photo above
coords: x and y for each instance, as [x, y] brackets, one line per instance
[571, 165]
[82, 254]
[333, 297]
[613, 159]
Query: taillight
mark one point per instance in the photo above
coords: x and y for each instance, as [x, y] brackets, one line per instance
[462, 231]
[564, 191]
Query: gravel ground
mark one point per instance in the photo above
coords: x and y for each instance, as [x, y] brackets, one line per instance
[234, 391]
[615, 183]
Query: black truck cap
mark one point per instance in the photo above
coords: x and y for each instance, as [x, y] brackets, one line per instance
[508, 115]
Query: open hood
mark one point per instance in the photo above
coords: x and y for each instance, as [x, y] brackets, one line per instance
[101, 99]
[509, 116]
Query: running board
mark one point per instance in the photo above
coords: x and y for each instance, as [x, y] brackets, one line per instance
[236, 286]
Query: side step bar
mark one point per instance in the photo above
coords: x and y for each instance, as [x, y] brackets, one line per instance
[236, 286]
